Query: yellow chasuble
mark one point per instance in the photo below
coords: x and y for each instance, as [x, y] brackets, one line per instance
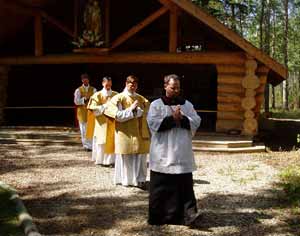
[90, 125]
[82, 109]
[104, 126]
[132, 136]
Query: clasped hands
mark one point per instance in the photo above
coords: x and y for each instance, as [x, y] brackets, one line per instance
[137, 111]
[177, 115]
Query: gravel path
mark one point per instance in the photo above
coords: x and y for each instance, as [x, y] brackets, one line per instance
[68, 195]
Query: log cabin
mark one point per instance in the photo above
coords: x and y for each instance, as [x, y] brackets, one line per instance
[223, 74]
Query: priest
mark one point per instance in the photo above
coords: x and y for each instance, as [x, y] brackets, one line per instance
[129, 109]
[172, 121]
[81, 98]
[103, 152]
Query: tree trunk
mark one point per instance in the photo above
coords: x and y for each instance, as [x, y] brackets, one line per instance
[266, 47]
[273, 52]
[285, 93]
[298, 89]
[233, 22]
[261, 23]
[273, 98]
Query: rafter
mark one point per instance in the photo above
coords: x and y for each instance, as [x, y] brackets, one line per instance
[173, 30]
[38, 35]
[57, 24]
[139, 27]
[32, 11]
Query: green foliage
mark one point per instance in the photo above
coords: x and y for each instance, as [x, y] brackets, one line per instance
[290, 181]
[286, 114]
[8, 215]
[262, 23]
[88, 39]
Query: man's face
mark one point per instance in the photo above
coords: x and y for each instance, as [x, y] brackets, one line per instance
[172, 88]
[85, 81]
[131, 86]
[107, 84]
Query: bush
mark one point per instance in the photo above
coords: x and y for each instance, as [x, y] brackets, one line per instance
[290, 181]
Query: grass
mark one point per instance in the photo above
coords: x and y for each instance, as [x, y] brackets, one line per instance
[295, 114]
[8, 216]
[290, 181]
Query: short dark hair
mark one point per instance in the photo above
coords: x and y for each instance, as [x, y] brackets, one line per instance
[167, 78]
[84, 76]
[132, 78]
[106, 78]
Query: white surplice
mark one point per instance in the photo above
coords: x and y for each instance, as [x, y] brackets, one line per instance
[171, 150]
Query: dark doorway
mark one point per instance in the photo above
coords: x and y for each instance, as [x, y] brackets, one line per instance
[53, 85]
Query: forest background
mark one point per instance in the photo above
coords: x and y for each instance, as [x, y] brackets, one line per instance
[274, 27]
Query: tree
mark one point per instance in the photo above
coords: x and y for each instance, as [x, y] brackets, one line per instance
[285, 92]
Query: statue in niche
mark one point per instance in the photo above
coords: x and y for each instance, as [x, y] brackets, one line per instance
[92, 35]
[92, 17]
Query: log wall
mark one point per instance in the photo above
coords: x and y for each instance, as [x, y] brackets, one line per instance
[240, 95]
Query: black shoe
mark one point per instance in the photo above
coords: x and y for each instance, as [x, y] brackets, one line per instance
[143, 186]
[188, 221]
[87, 149]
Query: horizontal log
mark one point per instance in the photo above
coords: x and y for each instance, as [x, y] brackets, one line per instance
[249, 114]
[248, 103]
[226, 125]
[136, 57]
[229, 98]
[250, 82]
[234, 89]
[229, 79]
[229, 107]
[231, 69]
[250, 126]
[250, 93]
[230, 115]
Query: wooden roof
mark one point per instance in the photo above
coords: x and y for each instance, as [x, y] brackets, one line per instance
[17, 21]
[229, 34]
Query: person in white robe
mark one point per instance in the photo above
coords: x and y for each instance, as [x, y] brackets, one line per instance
[98, 104]
[81, 99]
[172, 121]
[129, 109]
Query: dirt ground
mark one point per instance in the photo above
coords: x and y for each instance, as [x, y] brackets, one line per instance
[67, 194]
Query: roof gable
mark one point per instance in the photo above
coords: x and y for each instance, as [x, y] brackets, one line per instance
[229, 34]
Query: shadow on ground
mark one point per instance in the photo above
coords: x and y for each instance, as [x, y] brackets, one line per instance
[70, 214]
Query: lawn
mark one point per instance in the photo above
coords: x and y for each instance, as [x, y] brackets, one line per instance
[282, 114]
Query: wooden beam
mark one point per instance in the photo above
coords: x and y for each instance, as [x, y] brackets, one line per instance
[214, 24]
[149, 57]
[169, 4]
[57, 24]
[173, 29]
[139, 27]
[20, 9]
[38, 36]
[106, 23]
